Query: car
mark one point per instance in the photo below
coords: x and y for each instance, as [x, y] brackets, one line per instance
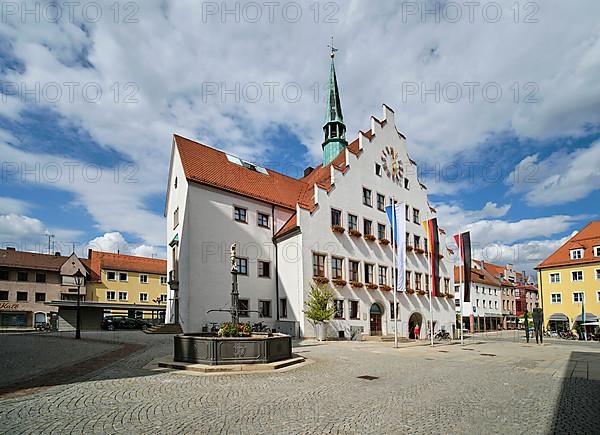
[111, 323]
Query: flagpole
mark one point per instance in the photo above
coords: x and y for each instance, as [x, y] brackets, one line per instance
[430, 301]
[460, 287]
[395, 272]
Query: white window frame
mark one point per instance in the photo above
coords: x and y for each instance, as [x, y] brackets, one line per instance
[163, 280]
[143, 299]
[258, 216]
[245, 221]
[576, 280]
[147, 279]
[126, 277]
[582, 297]
[108, 292]
[126, 295]
[597, 295]
[559, 301]
[572, 255]
[111, 271]
[554, 274]
[596, 251]
[597, 274]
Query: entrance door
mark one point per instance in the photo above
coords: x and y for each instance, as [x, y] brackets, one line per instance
[375, 323]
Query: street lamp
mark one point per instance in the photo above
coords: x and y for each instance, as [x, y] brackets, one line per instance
[78, 278]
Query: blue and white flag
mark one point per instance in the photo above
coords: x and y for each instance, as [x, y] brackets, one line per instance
[397, 217]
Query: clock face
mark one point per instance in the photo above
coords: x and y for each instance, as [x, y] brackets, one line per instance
[392, 165]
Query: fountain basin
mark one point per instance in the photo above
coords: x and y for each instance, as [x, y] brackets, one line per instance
[208, 348]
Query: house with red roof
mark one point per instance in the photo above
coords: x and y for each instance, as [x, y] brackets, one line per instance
[326, 228]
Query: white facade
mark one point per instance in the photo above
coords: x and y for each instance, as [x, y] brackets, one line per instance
[207, 228]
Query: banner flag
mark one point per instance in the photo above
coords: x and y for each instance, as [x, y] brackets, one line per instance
[464, 246]
[433, 250]
[397, 220]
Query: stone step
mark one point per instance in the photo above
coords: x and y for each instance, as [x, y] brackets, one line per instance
[168, 328]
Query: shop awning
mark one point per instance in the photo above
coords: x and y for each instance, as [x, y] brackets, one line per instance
[559, 317]
[589, 317]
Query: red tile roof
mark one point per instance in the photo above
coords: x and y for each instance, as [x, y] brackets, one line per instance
[31, 260]
[290, 225]
[587, 238]
[126, 263]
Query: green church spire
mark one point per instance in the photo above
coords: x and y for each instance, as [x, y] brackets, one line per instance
[334, 127]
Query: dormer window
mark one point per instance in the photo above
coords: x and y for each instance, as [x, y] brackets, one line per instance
[596, 251]
[576, 254]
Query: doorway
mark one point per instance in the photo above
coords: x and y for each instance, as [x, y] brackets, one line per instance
[375, 323]
[414, 320]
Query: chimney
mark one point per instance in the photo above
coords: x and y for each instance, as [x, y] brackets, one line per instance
[308, 170]
[11, 248]
[90, 253]
[57, 254]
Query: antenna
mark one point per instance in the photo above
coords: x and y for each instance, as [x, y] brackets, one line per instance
[50, 242]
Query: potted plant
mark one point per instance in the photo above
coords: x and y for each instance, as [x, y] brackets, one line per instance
[356, 284]
[421, 292]
[338, 229]
[385, 288]
[384, 241]
[369, 237]
[320, 279]
[419, 250]
[410, 291]
[319, 309]
[355, 233]
[371, 286]
[339, 282]
[409, 248]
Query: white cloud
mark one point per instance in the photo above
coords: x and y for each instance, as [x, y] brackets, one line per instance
[115, 242]
[453, 218]
[561, 178]
[30, 234]
[13, 205]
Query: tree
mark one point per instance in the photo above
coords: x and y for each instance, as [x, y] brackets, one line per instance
[319, 306]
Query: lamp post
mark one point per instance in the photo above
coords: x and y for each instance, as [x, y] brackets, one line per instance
[78, 278]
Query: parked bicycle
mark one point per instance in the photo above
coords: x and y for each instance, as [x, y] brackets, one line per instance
[43, 327]
[568, 335]
[260, 327]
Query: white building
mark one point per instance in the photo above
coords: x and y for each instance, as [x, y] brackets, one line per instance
[484, 310]
[283, 229]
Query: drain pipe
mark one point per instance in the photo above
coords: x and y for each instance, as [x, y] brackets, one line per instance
[276, 266]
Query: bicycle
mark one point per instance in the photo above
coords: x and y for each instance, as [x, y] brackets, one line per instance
[260, 327]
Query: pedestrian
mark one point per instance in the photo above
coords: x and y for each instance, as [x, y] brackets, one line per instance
[417, 330]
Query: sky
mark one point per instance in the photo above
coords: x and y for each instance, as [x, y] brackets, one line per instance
[499, 101]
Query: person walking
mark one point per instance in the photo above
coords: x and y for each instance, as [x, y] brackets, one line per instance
[417, 331]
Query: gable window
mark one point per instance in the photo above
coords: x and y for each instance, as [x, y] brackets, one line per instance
[143, 297]
[555, 277]
[123, 276]
[382, 275]
[336, 217]
[243, 307]
[380, 202]
[264, 308]
[555, 298]
[318, 264]
[367, 197]
[576, 254]
[111, 275]
[263, 220]
[283, 308]
[354, 309]
[406, 183]
[242, 265]
[111, 295]
[143, 279]
[176, 218]
[577, 275]
[22, 276]
[122, 296]
[240, 214]
[354, 268]
[416, 216]
[596, 251]
[352, 222]
[264, 269]
[367, 227]
[380, 231]
[378, 169]
[339, 309]
[40, 277]
[368, 273]
[577, 297]
[337, 265]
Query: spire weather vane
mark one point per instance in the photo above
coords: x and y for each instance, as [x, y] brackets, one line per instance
[333, 49]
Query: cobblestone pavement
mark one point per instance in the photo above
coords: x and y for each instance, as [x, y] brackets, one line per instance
[485, 387]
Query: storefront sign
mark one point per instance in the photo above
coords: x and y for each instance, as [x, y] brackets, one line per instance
[8, 306]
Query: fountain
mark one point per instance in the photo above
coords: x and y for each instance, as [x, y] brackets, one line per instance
[250, 348]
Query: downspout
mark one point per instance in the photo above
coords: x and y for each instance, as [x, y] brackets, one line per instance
[276, 265]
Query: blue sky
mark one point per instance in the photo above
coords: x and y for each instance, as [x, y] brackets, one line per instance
[96, 164]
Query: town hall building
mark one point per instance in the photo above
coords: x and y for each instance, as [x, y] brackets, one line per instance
[327, 228]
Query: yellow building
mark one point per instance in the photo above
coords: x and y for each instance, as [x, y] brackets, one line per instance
[569, 281]
[118, 281]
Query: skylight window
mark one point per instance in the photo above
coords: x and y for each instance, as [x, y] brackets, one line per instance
[247, 165]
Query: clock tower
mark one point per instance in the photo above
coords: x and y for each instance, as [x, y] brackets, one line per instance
[334, 127]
